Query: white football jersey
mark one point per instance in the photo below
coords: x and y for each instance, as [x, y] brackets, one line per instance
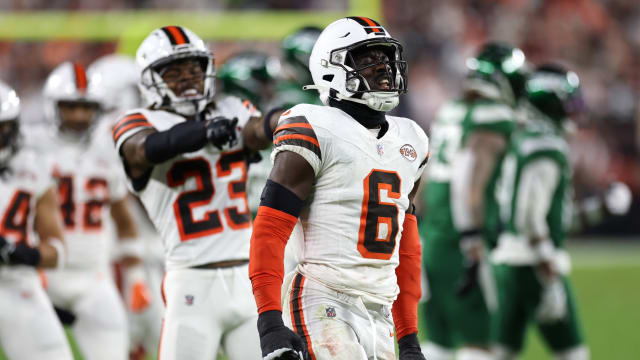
[197, 201]
[352, 222]
[89, 178]
[27, 180]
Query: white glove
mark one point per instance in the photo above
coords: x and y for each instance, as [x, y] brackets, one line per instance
[553, 302]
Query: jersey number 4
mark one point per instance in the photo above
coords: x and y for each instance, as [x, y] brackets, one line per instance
[15, 218]
[379, 219]
[200, 170]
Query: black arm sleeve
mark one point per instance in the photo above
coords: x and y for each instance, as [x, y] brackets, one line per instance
[185, 137]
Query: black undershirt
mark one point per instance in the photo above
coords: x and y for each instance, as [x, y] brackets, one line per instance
[363, 114]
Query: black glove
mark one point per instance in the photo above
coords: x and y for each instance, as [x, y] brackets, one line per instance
[221, 131]
[409, 347]
[278, 341]
[471, 246]
[18, 254]
[469, 279]
[253, 157]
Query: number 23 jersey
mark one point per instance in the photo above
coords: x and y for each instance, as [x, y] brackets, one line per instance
[197, 200]
[352, 221]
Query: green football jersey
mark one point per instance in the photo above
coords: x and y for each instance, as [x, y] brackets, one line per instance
[289, 93]
[537, 144]
[454, 123]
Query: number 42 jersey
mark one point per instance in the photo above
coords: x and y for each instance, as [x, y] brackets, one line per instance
[352, 222]
[196, 201]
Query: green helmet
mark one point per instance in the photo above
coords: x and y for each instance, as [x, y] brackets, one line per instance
[555, 92]
[251, 75]
[296, 49]
[498, 72]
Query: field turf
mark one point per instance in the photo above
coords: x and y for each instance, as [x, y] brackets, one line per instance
[606, 279]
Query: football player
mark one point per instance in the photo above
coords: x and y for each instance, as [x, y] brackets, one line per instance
[29, 328]
[114, 81]
[92, 192]
[349, 173]
[296, 50]
[534, 193]
[469, 139]
[185, 156]
[251, 75]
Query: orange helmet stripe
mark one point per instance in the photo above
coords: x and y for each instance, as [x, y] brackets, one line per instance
[374, 26]
[81, 77]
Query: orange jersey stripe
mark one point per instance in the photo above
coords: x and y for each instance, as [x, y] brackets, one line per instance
[176, 35]
[292, 125]
[374, 26]
[129, 127]
[297, 137]
[125, 120]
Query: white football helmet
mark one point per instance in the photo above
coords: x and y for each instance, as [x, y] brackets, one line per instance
[9, 114]
[162, 47]
[67, 82]
[331, 58]
[114, 80]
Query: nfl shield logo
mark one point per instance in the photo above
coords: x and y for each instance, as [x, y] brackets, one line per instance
[188, 299]
[380, 149]
[331, 311]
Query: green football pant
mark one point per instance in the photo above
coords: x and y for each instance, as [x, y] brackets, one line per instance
[452, 321]
[519, 294]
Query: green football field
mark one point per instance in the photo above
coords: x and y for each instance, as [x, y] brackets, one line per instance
[606, 278]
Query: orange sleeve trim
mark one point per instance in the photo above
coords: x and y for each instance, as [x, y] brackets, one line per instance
[125, 120]
[293, 125]
[271, 231]
[405, 308]
[297, 137]
[116, 137]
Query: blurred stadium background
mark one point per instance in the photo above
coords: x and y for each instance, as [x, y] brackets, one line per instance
[599, 39]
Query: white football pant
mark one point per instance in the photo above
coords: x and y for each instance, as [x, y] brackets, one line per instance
[29, 327]
[206, 309]
[100, 327]
[338, 326]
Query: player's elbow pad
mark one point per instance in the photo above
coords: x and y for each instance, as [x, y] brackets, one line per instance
[405, 308]
[182, 138]
[276, 218]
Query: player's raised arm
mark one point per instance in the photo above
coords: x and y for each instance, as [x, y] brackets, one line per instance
[258, 133]
[288, 185]
[149, 147]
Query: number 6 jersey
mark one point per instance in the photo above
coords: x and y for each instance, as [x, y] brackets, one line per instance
[352, 222]
[197, 200]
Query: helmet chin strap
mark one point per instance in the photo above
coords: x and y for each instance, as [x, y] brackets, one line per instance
[378, 100]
